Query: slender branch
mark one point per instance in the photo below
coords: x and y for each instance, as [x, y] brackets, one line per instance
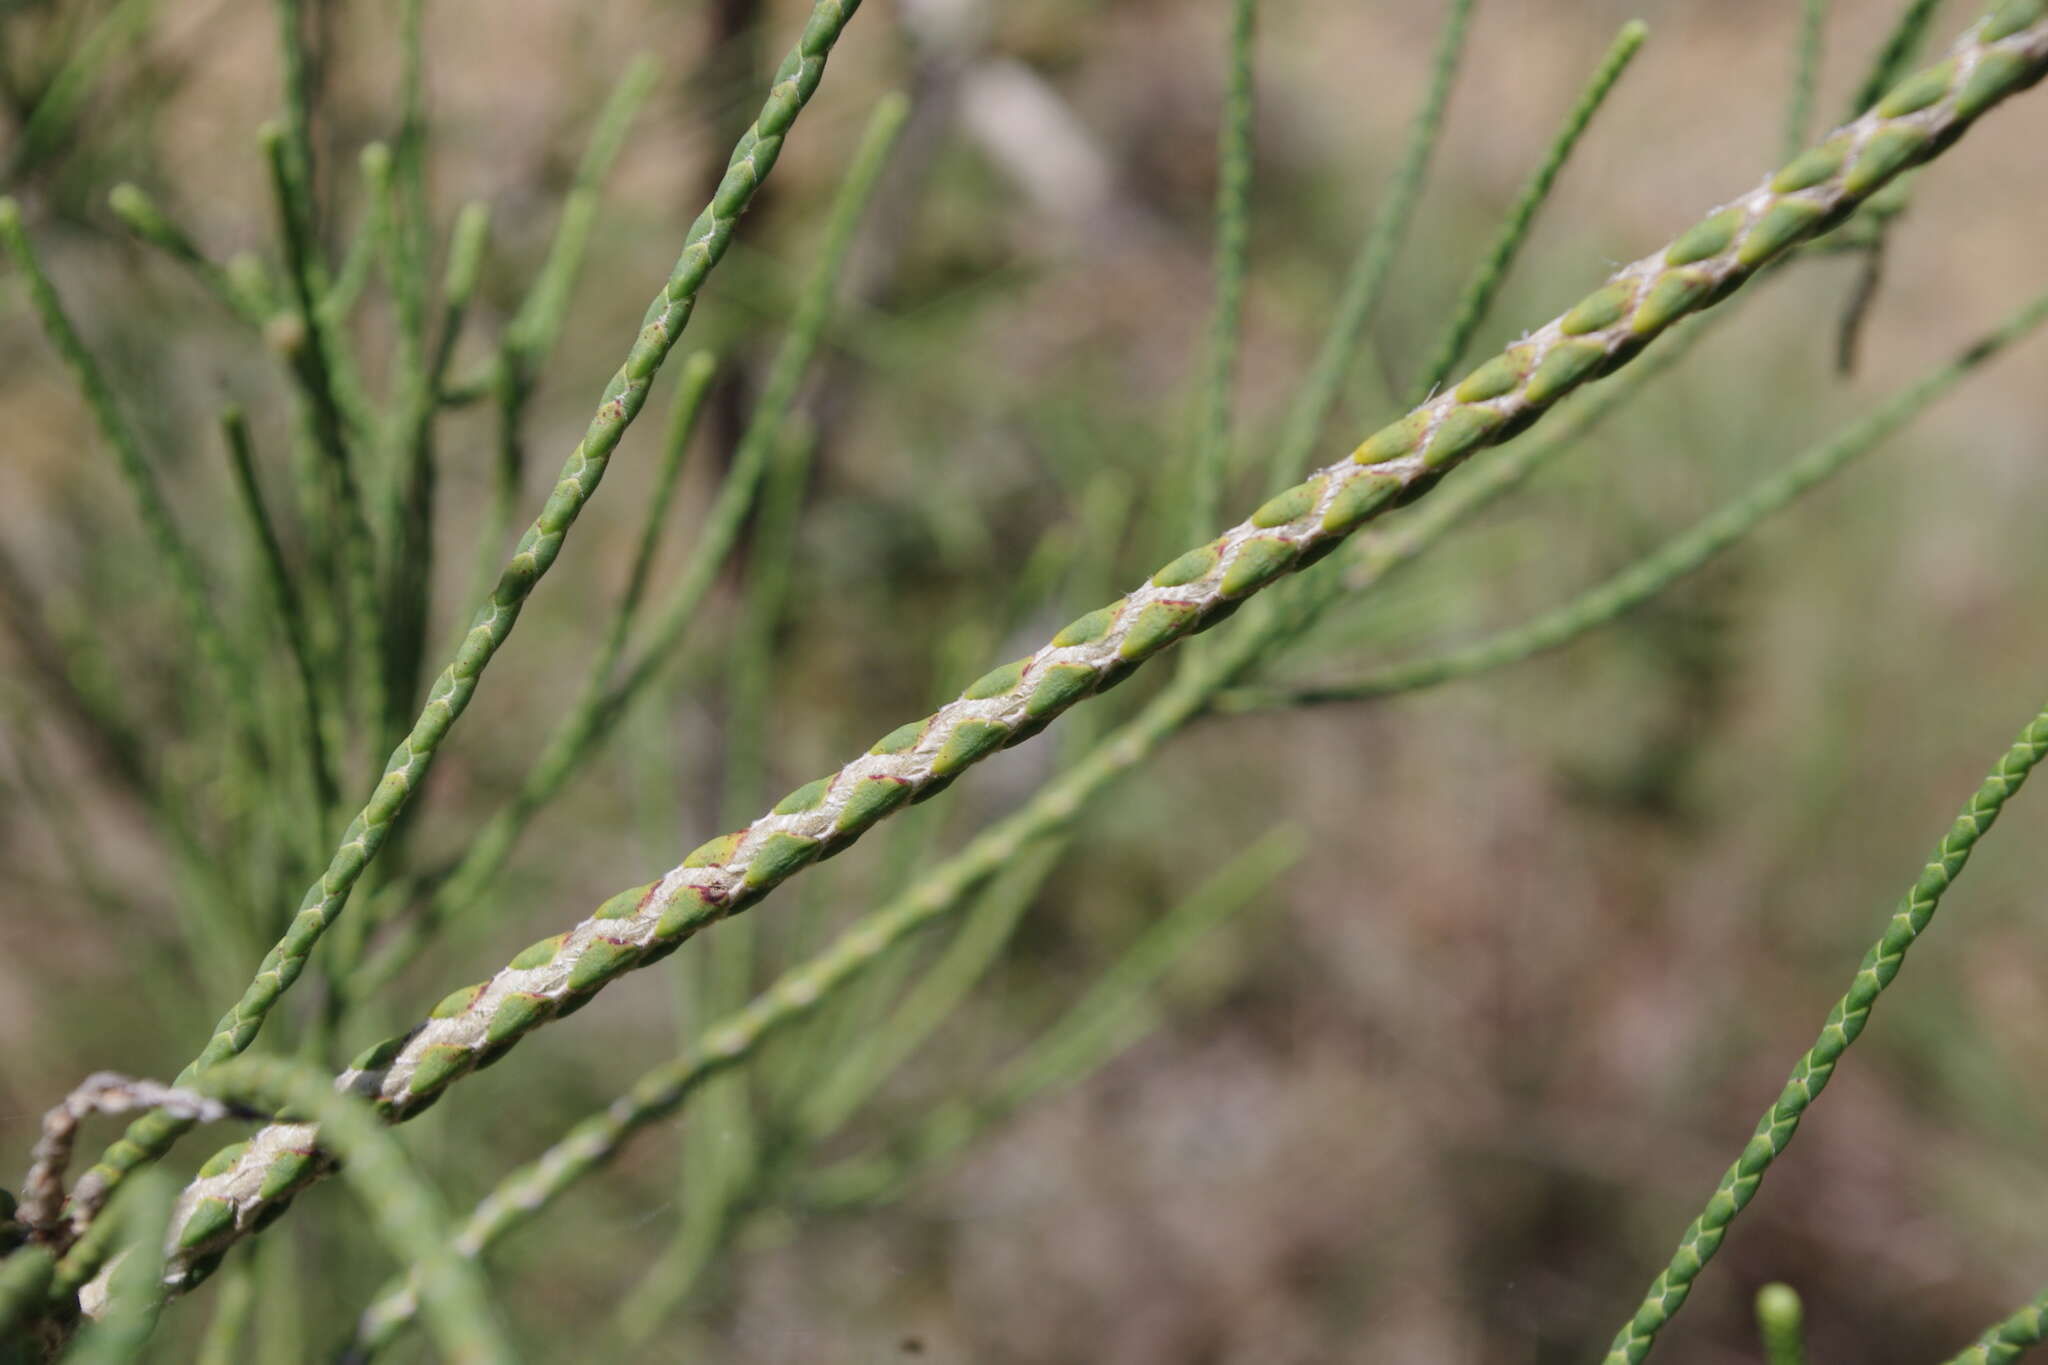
[282, 590]
[1895, 53]
[1776, 1129]
[530, 337]
[408, 519]
[124, 1321]
[25, 1276]
[142, 216]
[1813, 16]
[1233, 244]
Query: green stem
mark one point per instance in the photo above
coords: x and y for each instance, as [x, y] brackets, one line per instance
[1894, 54]
[142, 216]
[537, 326]
[53, 121]
[1813, 17]
[282, 590]
[2005, 1342]
[720, 1159]
[1775, 1130]
[25, 1275]
[877, 1055]
[227, 1332]
[298, 107]
[350, 552]
[409, 512]
[374, 164]
[122, 1330]
[1780, 1320]
[1233, 243]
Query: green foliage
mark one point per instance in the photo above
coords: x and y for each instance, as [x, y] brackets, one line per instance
[794, 1031]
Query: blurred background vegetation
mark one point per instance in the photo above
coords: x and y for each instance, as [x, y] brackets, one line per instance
[1447, 1087]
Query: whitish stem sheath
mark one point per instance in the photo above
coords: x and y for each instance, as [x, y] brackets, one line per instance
[103, 1092]
[1084, 1038]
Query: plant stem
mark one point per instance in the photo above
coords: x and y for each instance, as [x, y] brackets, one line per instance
[1894, 54]
[1813, 17]
[1233, 243]
[282, 591]
[120, 1334]
[25, 1275]
[346, 550]
[1780, 1320]
[2005, 1342]
[407, 571]
[1775, 1130]
[1109, 1017]
[142, 216]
